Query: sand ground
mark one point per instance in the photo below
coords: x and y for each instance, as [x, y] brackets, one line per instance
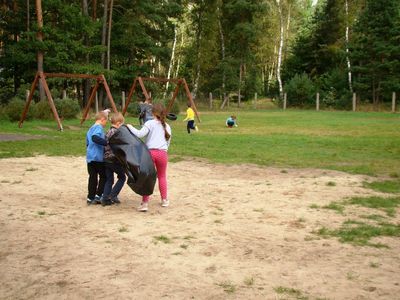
[231, 232]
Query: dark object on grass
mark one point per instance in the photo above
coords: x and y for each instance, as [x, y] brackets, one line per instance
[135, 158]
[172, 117]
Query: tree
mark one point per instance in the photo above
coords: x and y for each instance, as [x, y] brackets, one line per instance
[376, 49]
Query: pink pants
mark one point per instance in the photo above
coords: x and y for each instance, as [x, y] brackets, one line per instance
[160, 159]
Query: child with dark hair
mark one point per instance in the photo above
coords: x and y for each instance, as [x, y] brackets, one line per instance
[158, 138]
[110, 194]
[95, 142]
[190, 119]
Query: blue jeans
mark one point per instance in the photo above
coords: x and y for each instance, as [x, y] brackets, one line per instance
[109, 190]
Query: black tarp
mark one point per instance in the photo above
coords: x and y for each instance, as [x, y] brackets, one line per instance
[134, 156]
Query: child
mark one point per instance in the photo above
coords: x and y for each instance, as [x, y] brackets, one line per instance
[231, 121]
[190, 119]
[110, 194]
[95, 143]
[145, 111]
[158, 139]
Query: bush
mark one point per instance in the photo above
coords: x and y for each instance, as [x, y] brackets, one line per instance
[300, 91]
[67, 108]
[175, 108]
[3, 113]
[15, 108]
[43, 111]
[133, 109]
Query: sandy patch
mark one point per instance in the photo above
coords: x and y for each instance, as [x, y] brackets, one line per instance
[5, 137]
[245, 229]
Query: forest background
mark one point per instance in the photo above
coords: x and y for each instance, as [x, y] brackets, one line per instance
[228, 47]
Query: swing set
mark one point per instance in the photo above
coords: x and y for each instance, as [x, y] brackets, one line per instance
[179, 82]
[41, 77]
[101, 80]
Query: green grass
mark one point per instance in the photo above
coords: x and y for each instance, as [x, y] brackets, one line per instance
[290, 292]
[162, 238]
[363, 143]
[360, 234]
[123, 229]
[228, 287]
[387, 186]
[338, 207]
[388, 205]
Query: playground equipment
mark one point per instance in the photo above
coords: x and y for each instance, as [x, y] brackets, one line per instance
[41, 76]
[178, 83]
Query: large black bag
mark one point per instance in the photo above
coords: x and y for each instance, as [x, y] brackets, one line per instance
[135, 158]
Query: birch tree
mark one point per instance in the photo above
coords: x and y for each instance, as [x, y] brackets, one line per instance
[280, 47]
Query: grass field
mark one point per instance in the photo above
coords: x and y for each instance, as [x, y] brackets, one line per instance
[364, 143]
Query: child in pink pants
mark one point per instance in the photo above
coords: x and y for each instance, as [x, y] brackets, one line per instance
[158, 137]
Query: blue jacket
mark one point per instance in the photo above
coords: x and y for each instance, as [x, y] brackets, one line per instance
[94, 151]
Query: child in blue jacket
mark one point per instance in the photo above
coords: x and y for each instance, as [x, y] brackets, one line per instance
[95, 142]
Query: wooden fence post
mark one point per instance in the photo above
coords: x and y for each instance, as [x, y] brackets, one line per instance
[26, 95]
[393, 102]
[284, 101]
[317, 107]
[123, 99]
[354, 101]
[97, 103]
[211, 100]
[64, 94]
[255, 100]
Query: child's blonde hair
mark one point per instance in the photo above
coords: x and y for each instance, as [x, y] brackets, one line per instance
[117, 117]
[100, 115]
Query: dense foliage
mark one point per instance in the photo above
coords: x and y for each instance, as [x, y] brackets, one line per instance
[238, 47]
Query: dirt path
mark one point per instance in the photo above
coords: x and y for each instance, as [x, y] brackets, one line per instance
[236, 232]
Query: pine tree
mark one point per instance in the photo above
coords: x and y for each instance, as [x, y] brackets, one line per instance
[376, 50]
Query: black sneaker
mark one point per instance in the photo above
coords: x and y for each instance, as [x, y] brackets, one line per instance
[115, 200]
[97, 198]
[91, 201]
[105, 202]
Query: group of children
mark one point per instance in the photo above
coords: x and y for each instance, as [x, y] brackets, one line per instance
[102, 164]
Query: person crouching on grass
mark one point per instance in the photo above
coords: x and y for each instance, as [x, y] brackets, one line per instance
[110, 194]
[158, 138]
[231, 121]
[95, 142]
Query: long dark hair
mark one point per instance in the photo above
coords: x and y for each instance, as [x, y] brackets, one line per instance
[160, 113]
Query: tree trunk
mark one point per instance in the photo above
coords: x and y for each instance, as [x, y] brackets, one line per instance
[179, 57]
[347, 47]
[287, 31]
[28, 16]
[240, 82]
[171, 62]
[109, 34]
[198, 41]
[39, 37]
[104, 33]
[103, 43]
[94, 10]
[221, 34]
[271, 70]
[86, 82]
[278, 70]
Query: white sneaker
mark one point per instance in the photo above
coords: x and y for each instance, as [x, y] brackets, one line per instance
[196, 128]
[164, 202]
[143, 207]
